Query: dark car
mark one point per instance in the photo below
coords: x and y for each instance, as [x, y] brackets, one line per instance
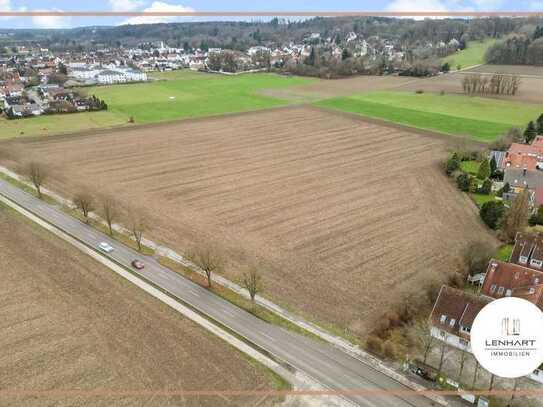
[138, 264]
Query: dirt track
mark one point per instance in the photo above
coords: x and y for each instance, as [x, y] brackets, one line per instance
[68, 323]
[346, 217]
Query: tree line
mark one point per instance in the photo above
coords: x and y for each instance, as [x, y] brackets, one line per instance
[496, 84]
[106, 207]
[518, 49]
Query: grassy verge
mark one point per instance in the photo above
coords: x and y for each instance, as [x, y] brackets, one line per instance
[126, 240]
[239, 301]
[473, 54]
[30, 190]
[481, 119]
[504, 252]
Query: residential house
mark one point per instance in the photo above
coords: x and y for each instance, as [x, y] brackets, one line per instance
[453, 314]
[452, 318]
[528, 250]
[28, 109]
[499, 157]
[525, 156]
[519, 179]
[513, 280]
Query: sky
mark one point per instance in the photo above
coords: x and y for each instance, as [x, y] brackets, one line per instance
[232, 5]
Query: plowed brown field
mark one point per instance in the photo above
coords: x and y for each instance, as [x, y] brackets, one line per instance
[71, 325]
[345, 216]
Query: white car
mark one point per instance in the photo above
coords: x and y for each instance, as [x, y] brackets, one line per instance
[105, 247]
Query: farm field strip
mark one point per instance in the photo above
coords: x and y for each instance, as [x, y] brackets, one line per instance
[70, 323]
[480, 118]
[330, 206]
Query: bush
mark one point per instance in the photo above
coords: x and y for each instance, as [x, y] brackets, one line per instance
[463, 182]
[419, 91]
[486, 188]
[491, 213]
[375, 344]
[473, 184]
[453, 163]
[389, 350]
[477, 255]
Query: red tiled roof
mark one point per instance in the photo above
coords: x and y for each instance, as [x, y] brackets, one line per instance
[507, 279]
[456, 307]
[524, 156]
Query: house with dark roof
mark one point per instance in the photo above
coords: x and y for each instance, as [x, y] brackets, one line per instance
[528, 250]
[453, 314]
[513, 280]
[520, 179]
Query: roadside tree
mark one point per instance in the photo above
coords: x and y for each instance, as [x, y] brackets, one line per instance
[208, 259]
[109, 210]
[37, 174]
[419, 334]
[84, 201]
[251, 281]
[137, 221]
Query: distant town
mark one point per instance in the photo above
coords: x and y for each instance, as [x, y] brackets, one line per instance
[36, 81]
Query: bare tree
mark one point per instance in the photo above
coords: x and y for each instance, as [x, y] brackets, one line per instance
[475, 373]
[109, 210]
[516, 218]
[251, 281]
[421, 336]
[443, 354]
[84, 201]
[208, 260]
[137, 221]
[515, 387]
[491, 384]
[37, 174]
[462, 362]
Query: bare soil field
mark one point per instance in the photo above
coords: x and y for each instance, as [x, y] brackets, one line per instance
[345, 217]
[530, 91]
[323, 89]
[68, 323]
[522, 70]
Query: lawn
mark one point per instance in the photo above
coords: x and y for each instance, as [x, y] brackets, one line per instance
[60, 123]
[482, 119]
[192, 94]
[178, 95]
[504, 252]
[480, 199]
[471, 167]
[474, 54]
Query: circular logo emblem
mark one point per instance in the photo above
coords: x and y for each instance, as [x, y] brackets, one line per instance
[507, 337]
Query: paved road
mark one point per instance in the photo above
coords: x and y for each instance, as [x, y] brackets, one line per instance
[327, 365]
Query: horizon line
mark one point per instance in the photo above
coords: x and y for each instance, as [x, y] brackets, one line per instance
[56, 13]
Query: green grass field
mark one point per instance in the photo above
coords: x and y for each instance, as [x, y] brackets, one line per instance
[179, 95]
[194, 96]
[474, 54]
[482, 119]
[471, 167]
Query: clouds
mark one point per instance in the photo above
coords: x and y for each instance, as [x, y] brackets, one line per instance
[416, 5]
[51, 21]
[125, 5]
[159, 6]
